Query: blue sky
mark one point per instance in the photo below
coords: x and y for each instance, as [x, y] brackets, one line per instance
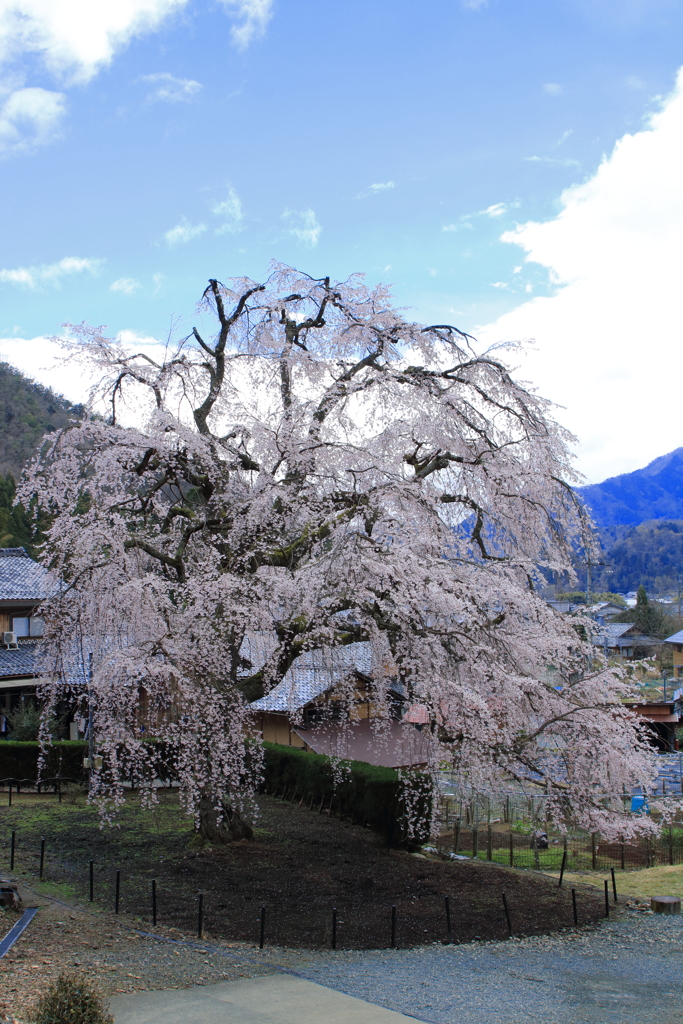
[149, 144]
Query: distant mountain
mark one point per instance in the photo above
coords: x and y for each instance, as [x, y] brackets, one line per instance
[27, 411]
[655, 492]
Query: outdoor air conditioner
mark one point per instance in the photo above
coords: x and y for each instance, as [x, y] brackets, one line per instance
[10, 641]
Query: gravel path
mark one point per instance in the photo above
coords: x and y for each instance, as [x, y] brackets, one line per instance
[630, 970]
[626, 971]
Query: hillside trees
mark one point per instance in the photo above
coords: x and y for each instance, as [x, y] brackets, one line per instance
[313, 471]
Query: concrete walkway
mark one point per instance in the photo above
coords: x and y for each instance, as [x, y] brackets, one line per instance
[276, 999]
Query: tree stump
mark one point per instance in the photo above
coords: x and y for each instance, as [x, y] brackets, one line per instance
[665, 904]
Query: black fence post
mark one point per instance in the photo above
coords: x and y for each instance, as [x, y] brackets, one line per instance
[576, 915]
[154, 902]
[11, 851]
[334, 928]
[42, 858]
[614, 885]
[92, 880]
[606, 898]
[393, 927]
[200, 916]
[117, 893]
[564, 861]
[263, 928]
[507, 914]
[449, 930]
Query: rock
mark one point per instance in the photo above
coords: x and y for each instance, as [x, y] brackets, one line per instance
[9, 894]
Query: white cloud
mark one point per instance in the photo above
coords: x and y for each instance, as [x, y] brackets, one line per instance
[76, 38]
[127, 285]
[230, 211]
[499, 284]
[569, 162]
[553, 89]
[254, 16]
[169, 89]
[372, 190]
[496, 210]
[474, 5]
[184, 232]
[304, 226]
[610, 341]
[51, 273]
[463, 224]
[29, 118]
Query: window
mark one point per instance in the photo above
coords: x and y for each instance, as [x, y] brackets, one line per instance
[27, 625]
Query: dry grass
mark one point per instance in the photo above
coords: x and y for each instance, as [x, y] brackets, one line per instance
[660, 881]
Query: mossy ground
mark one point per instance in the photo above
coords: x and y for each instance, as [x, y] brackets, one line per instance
[300, 865]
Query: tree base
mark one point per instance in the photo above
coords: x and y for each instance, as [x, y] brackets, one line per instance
[223, 826]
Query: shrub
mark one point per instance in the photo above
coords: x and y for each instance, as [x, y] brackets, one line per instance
[19, 759]
[71, 1000]
[366, 793]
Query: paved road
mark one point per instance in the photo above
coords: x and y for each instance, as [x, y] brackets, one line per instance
[625, 972]
[629, 970]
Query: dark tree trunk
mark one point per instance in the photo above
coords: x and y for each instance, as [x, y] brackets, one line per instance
[222, 826]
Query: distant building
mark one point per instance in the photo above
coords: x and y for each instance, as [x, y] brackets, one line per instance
[23, 585]
[663, 718]
[676, 642]
[326, 703]
[623, 640]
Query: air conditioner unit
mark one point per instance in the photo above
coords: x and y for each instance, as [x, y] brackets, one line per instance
[10, 641]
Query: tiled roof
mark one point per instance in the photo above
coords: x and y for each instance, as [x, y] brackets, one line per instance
[22, 579]
[617, 635]
[315, 672]
[22, 662]
[677, 638]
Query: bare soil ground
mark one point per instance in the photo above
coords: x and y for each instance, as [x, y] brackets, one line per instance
[300, 866]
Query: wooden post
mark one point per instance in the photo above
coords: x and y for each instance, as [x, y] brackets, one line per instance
[456, 836]
[507, 915]
[564, 861]
[665, 904]
[614, 886]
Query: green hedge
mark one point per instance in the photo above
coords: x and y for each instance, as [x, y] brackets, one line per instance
[19, 759]
[368, 794]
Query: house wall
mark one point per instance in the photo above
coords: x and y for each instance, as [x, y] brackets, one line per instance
[678, 660]
[276, 729]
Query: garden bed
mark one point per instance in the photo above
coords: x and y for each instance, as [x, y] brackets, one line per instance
[299, 867]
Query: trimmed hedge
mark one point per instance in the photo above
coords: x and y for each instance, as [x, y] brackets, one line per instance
[19, 759]
[367, 793]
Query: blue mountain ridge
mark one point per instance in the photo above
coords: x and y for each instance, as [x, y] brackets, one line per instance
[655, 492]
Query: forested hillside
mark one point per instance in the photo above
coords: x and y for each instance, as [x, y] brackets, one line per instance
[650, 554]
[27, 411]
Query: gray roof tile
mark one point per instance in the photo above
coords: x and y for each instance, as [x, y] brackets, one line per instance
[22, 579]
[313, 673]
